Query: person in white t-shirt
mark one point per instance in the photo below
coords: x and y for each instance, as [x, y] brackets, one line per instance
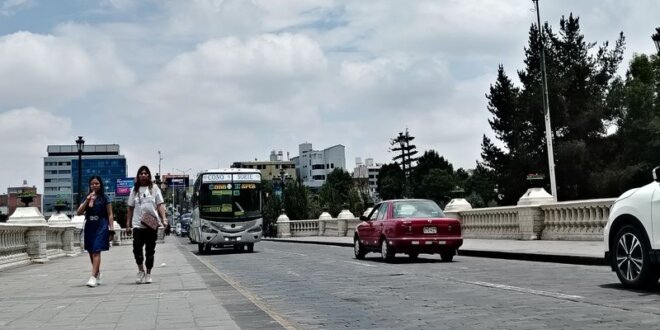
[145, 197]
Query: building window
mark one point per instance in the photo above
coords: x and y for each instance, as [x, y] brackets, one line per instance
[317, 167]
[318, 177]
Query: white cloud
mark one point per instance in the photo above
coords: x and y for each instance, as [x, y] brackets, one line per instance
[10, 7]
[45, 70]
[25, 134]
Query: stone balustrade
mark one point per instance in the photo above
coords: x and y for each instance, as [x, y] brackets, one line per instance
[534, 218]
[28, 238]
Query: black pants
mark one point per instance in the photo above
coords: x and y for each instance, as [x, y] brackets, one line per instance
[146, 238]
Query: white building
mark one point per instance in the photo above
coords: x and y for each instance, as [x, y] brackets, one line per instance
[313, 166]
[369, 171]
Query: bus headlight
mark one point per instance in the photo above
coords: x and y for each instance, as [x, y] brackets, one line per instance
[208, 229]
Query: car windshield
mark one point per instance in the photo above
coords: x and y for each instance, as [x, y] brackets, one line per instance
[417, 209]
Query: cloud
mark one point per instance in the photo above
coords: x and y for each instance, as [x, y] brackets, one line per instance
[45, 70]
[26, 132]
[10, 7]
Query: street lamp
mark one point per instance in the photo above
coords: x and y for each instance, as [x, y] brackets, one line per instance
[656, 39]
[546, 109]
[80, 143]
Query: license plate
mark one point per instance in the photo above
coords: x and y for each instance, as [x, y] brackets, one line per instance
[430, 230]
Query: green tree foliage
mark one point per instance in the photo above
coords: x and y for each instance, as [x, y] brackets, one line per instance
[433, 178]
[334, 193]
[389, 184]
[579, 82]
[480, 187]
[635, 109]
[271, 210]
[119, 211]
[296, 200]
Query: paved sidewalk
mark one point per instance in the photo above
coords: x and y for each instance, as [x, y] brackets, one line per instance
[572, 252]
[186, 294]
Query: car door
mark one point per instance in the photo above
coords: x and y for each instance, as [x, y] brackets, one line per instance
[366, 228]
[380, 223]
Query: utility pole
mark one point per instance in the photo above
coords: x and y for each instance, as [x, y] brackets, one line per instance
[546, 108]
[407, 152]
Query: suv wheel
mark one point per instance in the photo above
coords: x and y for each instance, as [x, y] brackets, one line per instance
[632, 261]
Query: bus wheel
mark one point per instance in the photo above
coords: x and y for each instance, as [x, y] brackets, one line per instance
[200, 248]
[207, 248]
[238, 248]
[250, 247]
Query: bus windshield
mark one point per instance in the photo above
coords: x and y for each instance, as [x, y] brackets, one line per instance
[230, 201]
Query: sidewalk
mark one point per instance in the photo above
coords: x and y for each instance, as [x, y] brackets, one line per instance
[572, 252]
[187, 293]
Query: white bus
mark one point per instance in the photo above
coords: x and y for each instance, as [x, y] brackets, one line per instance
[226, 206]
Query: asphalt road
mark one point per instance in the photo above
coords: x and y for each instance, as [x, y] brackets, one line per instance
[309, 286]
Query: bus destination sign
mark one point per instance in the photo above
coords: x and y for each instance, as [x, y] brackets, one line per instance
[227, 177]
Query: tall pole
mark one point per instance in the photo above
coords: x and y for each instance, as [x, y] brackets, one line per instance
[159, 159]
[80, 143]
[546, 109]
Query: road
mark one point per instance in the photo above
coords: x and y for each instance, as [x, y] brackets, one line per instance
[323, 287]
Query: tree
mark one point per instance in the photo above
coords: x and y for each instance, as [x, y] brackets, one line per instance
[119, 212]
[296, 200]
[578, 85]
[334, 193]
[419, 179]
[390, 182]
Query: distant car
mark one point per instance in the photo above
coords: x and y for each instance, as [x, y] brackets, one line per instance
[410, 226]
[632, 235]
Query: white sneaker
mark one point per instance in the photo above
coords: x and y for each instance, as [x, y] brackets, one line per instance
[140, 278]
[92, 282]
[98, 279]
[148, 279]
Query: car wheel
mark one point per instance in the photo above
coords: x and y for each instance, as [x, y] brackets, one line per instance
[200, 248]
[413, 256]
[358, 249]
[631, 259]
[386, 252]
[447, 256]
[250, 247]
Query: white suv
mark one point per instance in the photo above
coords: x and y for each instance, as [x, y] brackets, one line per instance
[632, 235]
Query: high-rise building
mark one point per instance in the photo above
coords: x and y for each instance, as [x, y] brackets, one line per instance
[276, 168]
[313, 166]
[61, 172]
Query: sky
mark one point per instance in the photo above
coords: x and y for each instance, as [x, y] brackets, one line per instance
[211, 82]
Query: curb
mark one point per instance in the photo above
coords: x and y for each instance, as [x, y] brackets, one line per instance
[540, 257]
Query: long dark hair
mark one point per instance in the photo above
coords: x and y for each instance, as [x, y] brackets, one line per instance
[136, 186]
[101, 190]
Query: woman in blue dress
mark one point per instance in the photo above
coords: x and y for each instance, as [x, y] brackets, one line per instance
[99, 221]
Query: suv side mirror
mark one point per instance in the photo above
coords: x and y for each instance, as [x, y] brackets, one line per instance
[656, 174]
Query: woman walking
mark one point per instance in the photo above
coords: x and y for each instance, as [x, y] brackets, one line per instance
[99, 221]
[144, 204]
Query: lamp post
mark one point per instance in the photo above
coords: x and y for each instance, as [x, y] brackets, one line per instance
[546, 109]
[80, 143]
[656, 39]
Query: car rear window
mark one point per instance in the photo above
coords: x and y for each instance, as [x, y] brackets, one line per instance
[417, 209]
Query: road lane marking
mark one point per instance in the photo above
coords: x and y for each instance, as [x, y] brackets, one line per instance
[287, 252]
[359, 263]
[522, 290]
[286, 324]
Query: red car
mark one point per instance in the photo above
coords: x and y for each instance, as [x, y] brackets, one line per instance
[410, 226]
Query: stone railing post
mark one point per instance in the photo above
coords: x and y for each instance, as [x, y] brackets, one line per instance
[322, 219]
[36, 234]
[116, 240]
[530, 215]
[342, 221]
[455, 206]
[283, 226]
[68, 241]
